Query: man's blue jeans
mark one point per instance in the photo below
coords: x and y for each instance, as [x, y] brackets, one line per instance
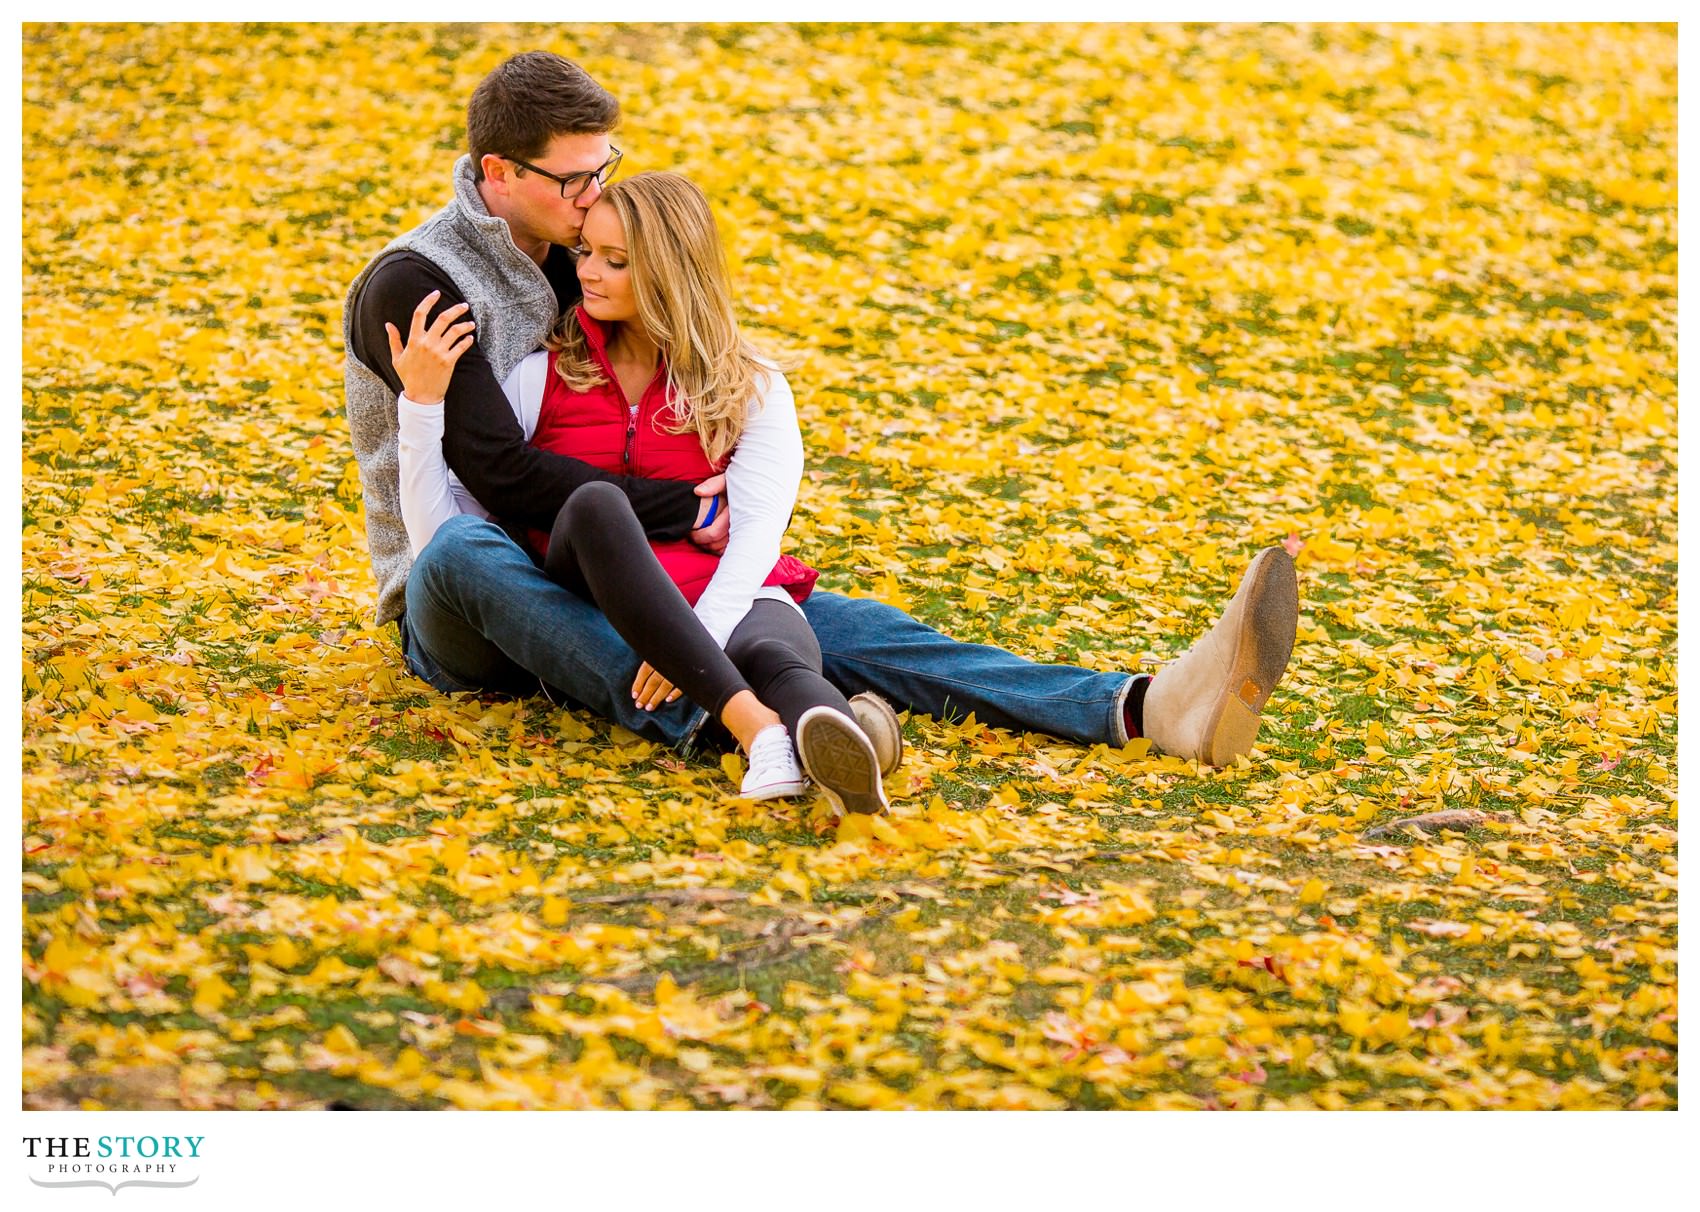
[482, 617]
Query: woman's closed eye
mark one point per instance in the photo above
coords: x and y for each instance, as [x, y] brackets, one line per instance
[584, 253]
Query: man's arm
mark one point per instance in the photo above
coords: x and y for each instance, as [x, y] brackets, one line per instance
[482, 440]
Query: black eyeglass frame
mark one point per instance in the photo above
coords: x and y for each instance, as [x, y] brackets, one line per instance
[600, 175]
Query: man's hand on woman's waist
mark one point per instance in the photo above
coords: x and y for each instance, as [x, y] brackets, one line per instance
[714, 523]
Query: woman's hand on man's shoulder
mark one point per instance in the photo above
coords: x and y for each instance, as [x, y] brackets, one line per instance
[426, 363]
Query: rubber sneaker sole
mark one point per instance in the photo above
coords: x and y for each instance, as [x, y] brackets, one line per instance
[1267, 630]
[840, 759]
[774, 791]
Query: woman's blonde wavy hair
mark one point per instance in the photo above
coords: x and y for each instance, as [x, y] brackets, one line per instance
[684, 298]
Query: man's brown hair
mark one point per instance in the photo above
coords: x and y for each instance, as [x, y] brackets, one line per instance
[535, 96]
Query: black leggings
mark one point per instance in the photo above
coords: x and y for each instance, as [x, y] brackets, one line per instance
[598, 550]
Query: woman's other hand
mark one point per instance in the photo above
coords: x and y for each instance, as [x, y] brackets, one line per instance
[650, 689]
[429, 358]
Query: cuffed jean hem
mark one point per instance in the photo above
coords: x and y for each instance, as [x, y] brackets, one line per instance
[1118, 714]
[686, 746]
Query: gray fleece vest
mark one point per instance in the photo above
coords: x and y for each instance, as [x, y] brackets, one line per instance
[515, 308]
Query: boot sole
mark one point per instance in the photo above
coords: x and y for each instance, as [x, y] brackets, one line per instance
[892, 724]
[1267, 631]
[842, 762]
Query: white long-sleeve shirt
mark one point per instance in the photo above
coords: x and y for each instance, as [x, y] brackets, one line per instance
[761, 487]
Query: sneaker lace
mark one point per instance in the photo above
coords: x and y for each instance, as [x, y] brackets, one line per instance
[768, 742]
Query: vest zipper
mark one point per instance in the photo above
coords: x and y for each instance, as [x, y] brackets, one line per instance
[631, 432]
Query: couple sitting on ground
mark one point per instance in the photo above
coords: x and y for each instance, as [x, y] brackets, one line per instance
[578, 475]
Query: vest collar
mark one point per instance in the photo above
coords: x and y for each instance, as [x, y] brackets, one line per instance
[594, 333]
[470, 211]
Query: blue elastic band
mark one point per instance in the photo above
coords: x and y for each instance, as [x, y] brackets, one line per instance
[713, 509]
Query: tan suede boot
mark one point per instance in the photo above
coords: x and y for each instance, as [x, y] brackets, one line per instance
[1205, 703]
[883, 727]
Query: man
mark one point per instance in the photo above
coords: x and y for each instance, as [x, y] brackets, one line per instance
[476, 613]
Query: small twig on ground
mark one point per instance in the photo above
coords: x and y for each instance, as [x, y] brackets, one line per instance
[1448, 818]
[773, 948]
[664, 896]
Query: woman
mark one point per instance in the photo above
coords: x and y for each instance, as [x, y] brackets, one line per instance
[650, 377]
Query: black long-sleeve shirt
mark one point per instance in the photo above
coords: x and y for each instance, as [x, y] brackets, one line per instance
[483, 442]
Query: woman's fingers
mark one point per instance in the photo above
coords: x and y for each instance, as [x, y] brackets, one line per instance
[650, 688]
[439, 344]
[447, 316]
[422, 311]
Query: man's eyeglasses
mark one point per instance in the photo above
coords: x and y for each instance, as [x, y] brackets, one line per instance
[574, 184]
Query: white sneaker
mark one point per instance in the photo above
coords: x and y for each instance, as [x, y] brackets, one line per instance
[839, 757]
[773, 771]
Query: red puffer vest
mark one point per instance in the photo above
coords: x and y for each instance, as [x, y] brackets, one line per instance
[596, 427]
